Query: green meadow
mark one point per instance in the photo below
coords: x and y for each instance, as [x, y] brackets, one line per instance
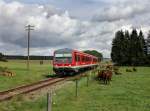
[22, 75]
[127, 92]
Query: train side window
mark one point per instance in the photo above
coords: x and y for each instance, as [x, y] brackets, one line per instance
[89, 59]
[93, 59]
[83, 58]
[77, 57]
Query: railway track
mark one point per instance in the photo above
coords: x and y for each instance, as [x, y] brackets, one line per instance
[5, 95]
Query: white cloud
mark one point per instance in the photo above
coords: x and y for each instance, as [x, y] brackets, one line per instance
[56, 29]
[122, 10]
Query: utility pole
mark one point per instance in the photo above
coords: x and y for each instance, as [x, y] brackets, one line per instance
[29, 28]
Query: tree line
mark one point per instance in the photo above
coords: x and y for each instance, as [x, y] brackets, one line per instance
[32, 57]
[94, 53]
[130, 48]
[20, 57]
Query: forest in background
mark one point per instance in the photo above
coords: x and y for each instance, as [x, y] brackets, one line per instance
[130, 48]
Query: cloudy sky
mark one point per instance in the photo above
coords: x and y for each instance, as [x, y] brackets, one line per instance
[77, 24]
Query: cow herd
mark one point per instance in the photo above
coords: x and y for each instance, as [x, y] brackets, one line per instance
[105, 72]
[105, 75]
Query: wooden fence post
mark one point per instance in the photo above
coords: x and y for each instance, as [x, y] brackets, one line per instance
[76, 88]
[49, 101]
[87, 80]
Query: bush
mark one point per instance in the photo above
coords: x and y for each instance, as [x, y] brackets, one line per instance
[134, 69]
[2, 58]
[116, 70]
[147, 60]
[128, 70]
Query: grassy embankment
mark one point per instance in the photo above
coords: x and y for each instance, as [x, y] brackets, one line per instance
[127, 92]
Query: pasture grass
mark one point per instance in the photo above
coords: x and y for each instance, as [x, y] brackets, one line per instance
[22, 75]
[127, 92]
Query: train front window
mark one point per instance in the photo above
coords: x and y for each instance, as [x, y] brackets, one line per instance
[63, 58]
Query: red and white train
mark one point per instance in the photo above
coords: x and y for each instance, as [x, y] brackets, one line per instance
[68, 61]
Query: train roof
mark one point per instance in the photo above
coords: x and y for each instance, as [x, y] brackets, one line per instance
[68, 50]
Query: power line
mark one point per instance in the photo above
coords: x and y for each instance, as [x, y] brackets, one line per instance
[28, 28]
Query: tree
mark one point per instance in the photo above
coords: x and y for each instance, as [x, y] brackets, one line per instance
[128, 49]
[127, 59]
[117, 53]
[133, 46]
[2, 58]
[141, 48]
[94, 53]
[141, 43]
[148, 44]
[147, 49]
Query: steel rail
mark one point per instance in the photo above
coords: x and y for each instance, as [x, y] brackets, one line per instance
[28, 88]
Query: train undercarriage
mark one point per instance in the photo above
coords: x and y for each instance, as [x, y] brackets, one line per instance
[72, 70]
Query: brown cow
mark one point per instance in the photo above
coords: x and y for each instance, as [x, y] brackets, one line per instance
[100, 75]
[109, 67]
[105, 76]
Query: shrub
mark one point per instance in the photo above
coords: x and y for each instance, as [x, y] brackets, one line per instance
[128, 70]
[116, 70]
[2, 58]
[134, 69]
